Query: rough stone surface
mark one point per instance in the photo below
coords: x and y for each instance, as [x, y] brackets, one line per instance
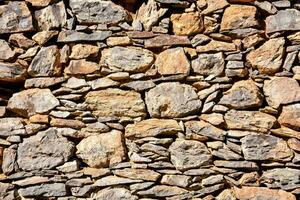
[209, 64]
[187, 23]
[290, 116]
[12, 72]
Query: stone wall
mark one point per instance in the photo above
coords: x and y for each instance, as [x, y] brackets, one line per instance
[152, 99]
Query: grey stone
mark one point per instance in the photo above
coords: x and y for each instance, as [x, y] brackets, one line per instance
[9, 163]
[209, 64]
[12, 72]
[6, 52]
[46, 190]
[12, 126]
[75, 36]
[115, 180]
[114, 193]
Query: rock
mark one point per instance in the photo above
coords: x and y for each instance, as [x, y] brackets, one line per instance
[276, 91]
[242, 95]
[290, 116]
[129, 59]
[71, 166]
[176, 180]
[152, 128]
[69, 123]
[12, 126]
[139, 85]
[115, 193]
[265, 147]
[114, 180]
[9, 160]
[209, 64]
[46, 62]
[102, 150]
[249, 120]
[35, 180]
[15, 17]
[188, 154]
[246, 193]
[74, 36]
[140, 174]
[245, 165]
[43, 82]
[294, 144]
[98, 12]
[116, 104]
[46, 190]
[189, 23]
[32, 101]
[163, 191]
[102, 83]
[168, 100]
[118, 41]
[39, 3]
[166, 65]
[214, 5]
[6, 52]
[45, 150]
[283, 20]
[285, 132]
[19, 40]
[167, 41]
[239, 17]
[81, 67]
[53, 16]
[268, 57]
[12, 72]
[149, 14]
[284, 178]
[80, 51]
[204, 129]
[44, 36]
[216, 46]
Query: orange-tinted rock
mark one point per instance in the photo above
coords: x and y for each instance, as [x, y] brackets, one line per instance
[82, 67]
[187, 23]
[290, 116]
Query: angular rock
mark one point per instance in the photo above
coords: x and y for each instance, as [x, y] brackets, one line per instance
[46, 62]
[9, 160]
[268, 57]
[39, 3]
[6, 52]
[163, 191]
[188, 154]
[116, 104]
[115, 193]
[189, 23]
[43, 82]
[209, 64]
[35, 180]
[103, 83]
[45, 150]
[53, 16]
[236, 164]
[166, 65]
[249, 120]
[74, 36]
[176, 180]
[12, 72]
[242, 95]
[46, 190]
[44, 36]
[276, 91]
[15, 17]
[283, 20]
[265, 147]
[139, 85]
[98, 12]
[168, 100]
[102, 150]
[294, 144]
[129, 59]
[167, 41]
[32, 101]
[290, 116]
[12, 126]
[216, 46]
[80, 51]
[19, 40]
[115, 180]
[152, 128]
[81, 67]
[140, 174]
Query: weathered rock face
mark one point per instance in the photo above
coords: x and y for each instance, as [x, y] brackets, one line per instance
[12, 126]
[5, 50]
[265, 193]
[169, 100]
[209, 64]
[97, 151]
[12, 72]
[45, 150]
[115, 193]
[187, 23]
[290, 116]
[32, 101]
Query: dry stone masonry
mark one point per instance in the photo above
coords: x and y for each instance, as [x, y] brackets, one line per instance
[149, 99]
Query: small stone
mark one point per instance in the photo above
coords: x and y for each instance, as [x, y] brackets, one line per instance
[74, 36]
[12, 126]
[98, 12]
[71, 166]
[285, 132]
[268, 57]
[188, 154]
[236, 164]
[166, 41]
[115, 180]
[265, 147]
[163, 191]
[6, 52]
[216, 46]
[116, 103]
[15, 17]
[103, 83]
[266, 6]
[214, 5]
[46, 190]
[44, 36]
[283, 20]
[115, 193]
[294, 38]
[249, 120]
[276, 91]
[102, 150]
[32, 101]
[42, 119]
[75, 83]
[69, 123]
[53, 16]
[215, 119]
[80, 51]
[140, 174]
[139, 85]
[12, 72]
[294, 144]
[35, 180]
[239, 17]
[46, 62]
[209, 64]
[152, 128]
[189, 23]
[166, 65]
[45, 150]
[290, 116]
[9, 160]
[39, 3]
[176, 180]
[242, 95]
[81, 67]
[168, 100]
[119, 41]
[129, 59]
[19, 40]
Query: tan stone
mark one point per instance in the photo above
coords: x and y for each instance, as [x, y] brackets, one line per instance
[163, 191]
[71, 123]
[43, 119]
[281, 90]
[44, 36]
[81, 67]
[80, 51]
[166, 64]
[6, 53]
[39, 3]
[118, 41]
[294, 144]
[187, 23]
[12, 72]
[102, 150]
[209, 64]
[268, 57]
[19, 40]
[214, 5]
[290, 116]
[239, 17]
[140, 174]
[216, 46]
[152, 127]
[286, 132]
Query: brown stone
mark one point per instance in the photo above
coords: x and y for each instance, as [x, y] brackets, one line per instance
[166, 41]
[39, 3]
[80, 51]
[71, 123]
[12, 72]
[140, 174]
[246, 193]
[163, 191]
[290, 116]
[119, 41]
[187, 23]
[166, 65]
[43, 119]
[216, 46]
[214, 5]
[81, 67]
[44, 36]
[6, 53]
[21, 41]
